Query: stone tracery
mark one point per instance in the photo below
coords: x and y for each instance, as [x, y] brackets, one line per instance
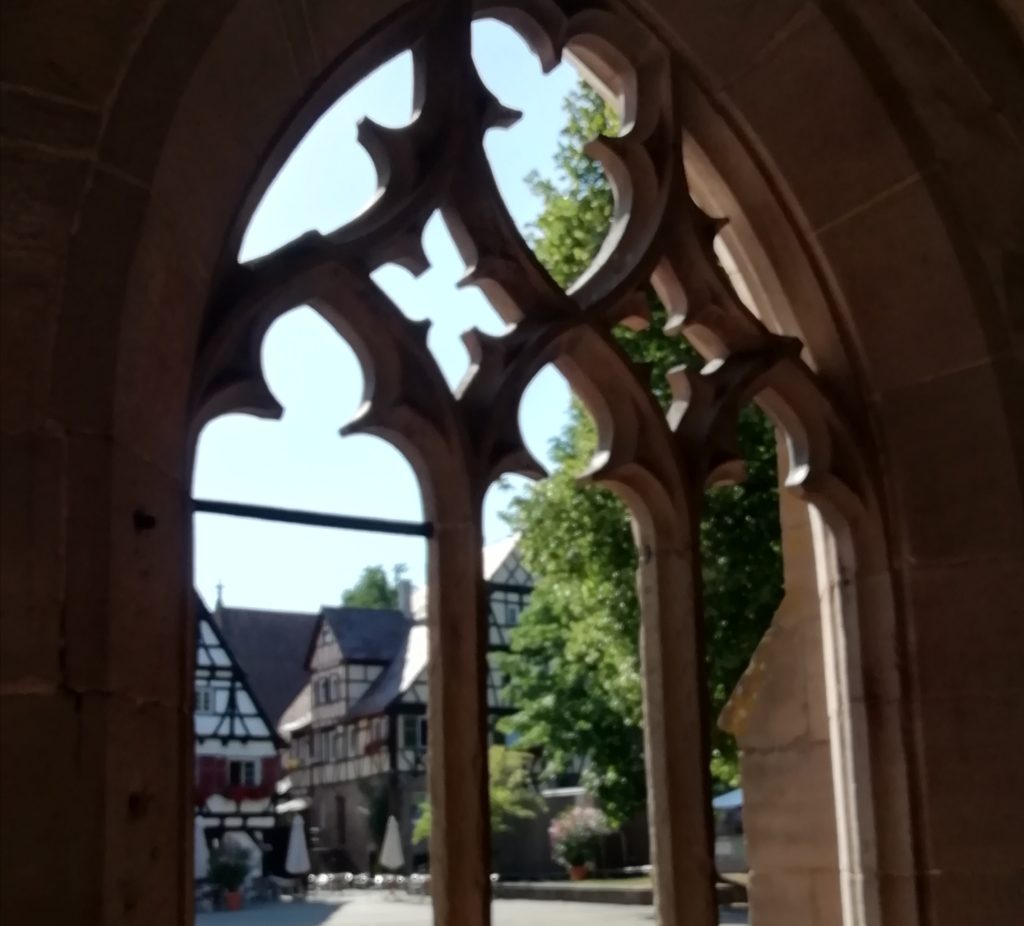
[458, 444]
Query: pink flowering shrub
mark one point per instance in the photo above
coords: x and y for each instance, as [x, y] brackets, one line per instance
[575, 834]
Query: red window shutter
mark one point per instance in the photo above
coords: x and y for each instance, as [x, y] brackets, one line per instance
[271, 770]
[210, 775]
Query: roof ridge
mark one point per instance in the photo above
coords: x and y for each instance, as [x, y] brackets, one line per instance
[227, 609]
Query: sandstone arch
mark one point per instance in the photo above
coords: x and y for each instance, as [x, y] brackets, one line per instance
[129, 141]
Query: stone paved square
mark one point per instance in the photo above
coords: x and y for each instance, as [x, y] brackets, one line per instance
[363, 908]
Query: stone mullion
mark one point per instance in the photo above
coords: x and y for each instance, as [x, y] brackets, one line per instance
[457, 755]
[676, 730]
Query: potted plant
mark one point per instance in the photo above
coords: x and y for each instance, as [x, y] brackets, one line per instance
[575, 835]
[228, 869]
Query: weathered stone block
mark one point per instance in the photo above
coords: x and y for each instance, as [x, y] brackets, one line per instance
[963, 615]
[769, 706]
[32, 588]
[38, 199]
[829, 135]
[967, 897]
[953, 473]
[45, 120]
[914, 320]
[52, 849]
[146, 821]
[126, 590]
[877, 676]
[163, 308]
[728, 39]
[788, 808]
[71, 49]
[151, 90]
[969, 779]
[85, 361]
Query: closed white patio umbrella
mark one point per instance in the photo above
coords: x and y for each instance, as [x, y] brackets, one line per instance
[296, 861]
[391, 856]
[201, 865]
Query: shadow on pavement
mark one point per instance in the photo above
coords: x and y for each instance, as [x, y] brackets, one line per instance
[295, 913]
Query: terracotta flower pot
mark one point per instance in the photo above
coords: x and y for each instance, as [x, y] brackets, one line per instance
[233, 900]
[578, 872]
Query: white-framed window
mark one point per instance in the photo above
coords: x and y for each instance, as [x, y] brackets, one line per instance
[335, 688]
[414, 731]
[206, 700]
[243, 772]
[409, 731]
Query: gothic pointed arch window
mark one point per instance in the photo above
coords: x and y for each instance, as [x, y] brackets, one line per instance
[459, 440]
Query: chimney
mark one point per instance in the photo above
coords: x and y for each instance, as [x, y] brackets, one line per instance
[405, 597]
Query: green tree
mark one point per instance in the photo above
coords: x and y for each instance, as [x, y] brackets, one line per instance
[574, 666]
[373, 589]
[512, 796]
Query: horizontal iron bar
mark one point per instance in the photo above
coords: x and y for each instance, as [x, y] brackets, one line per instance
[313, 518]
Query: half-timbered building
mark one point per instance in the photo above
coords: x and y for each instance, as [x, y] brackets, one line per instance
[358, 735]
[236, 748]
[508, 593]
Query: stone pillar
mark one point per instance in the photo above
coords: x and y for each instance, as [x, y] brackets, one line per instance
[676, 734]
[778, 714]
[457, 760]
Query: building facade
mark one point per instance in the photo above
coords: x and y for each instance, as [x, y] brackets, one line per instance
[358, 736]
[237, 763]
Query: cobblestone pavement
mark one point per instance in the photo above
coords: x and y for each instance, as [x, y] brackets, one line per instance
[363, 908]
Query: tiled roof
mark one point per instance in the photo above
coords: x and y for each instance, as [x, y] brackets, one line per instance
[400, 674]
[367, 634]
[271, 648]
[410, 654]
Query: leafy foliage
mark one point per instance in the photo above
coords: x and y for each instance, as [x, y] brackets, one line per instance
[229, 866]
[574, 667]
[377, 807]
[575, 835]
[373, 589]
[577, 204]
[512, 796]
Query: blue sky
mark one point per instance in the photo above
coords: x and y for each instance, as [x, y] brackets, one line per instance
[300, 461]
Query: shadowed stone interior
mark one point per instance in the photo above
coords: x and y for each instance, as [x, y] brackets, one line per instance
[868, 157]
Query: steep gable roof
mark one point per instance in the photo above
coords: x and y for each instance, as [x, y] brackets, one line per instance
[367, 634]
[298, 715]
[270, 647]
[400, 675]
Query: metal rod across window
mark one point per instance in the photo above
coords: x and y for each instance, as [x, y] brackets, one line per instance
[313, 518]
